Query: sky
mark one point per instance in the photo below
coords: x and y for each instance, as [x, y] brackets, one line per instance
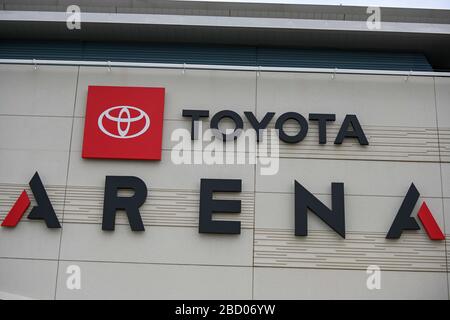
[431, 4]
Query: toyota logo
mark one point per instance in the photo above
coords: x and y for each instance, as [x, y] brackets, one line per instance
[122, 118]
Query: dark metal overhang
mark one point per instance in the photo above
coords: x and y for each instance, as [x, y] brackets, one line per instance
[431, 38]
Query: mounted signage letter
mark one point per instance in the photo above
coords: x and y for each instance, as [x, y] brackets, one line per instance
[305, 200]
[322, 119]
[44, 209]
[208, 206]
[404, 221]
[356, 132]
[112, 202]
[259, 125]
[195, 115]
[301, 122]
[238, 123]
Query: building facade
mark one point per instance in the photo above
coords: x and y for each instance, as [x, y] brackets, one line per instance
[399, 96]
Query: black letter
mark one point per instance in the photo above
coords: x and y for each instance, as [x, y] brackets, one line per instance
[305, 200]
[239, 124]
[259, 125]
[403, 219]
[195, 114]
[44, 209]
[292, 116]
[356, 132]
[131, 205]
[208, 206]
[322, 119]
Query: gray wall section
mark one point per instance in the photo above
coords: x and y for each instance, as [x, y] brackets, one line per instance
[407, 124]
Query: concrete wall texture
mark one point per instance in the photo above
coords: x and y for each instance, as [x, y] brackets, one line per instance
[408, 127]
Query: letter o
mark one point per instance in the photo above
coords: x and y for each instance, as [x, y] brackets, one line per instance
[239, 124]
[292, 116]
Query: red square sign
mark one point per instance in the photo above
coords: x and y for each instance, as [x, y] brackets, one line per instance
[123, 123]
